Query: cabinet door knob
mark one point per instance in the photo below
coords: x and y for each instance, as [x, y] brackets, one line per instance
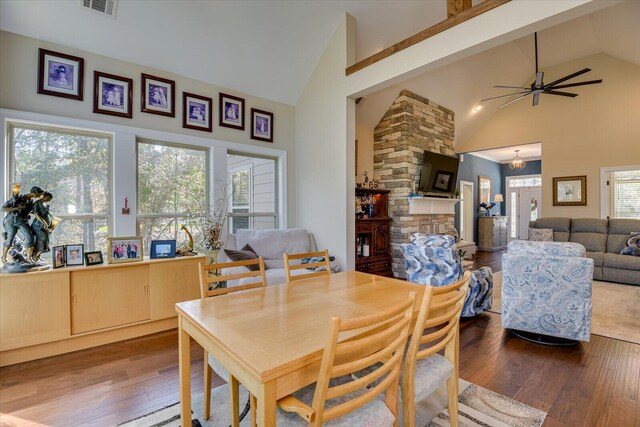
[74, 299]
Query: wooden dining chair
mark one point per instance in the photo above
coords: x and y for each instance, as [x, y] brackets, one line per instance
[211, 274]
[289, 267]
[437, 328]
[339, 397]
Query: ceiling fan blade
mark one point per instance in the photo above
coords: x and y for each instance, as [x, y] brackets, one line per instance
[514, 100]
[536, 98]
[539, 76]
[588, 82]
[570, 76]
[513, 87]
[502, 96]
[555, 92]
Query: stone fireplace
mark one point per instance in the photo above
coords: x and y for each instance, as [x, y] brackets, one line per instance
[411, 126]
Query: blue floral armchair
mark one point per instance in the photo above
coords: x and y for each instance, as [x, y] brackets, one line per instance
[432, 259]
[546, 289]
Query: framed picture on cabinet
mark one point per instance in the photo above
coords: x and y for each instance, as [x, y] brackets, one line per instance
[74, 254]
[124, 249]
[57, 256]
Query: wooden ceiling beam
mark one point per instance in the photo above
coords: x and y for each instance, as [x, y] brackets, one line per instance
[461, 17]
[455, 7]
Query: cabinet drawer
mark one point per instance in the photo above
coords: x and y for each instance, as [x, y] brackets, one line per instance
[379, 266]
[364, 227]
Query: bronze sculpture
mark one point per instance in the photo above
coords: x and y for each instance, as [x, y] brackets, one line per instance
[25, 242]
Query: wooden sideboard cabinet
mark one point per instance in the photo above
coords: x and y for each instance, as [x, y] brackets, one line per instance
[373, 235]
[57, 311]
[492, 233]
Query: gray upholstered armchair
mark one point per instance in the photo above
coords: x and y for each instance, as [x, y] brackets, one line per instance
[546, 290]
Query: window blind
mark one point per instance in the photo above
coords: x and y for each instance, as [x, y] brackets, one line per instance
[625, 194]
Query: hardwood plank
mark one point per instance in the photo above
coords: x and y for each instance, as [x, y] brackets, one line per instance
[472, 12]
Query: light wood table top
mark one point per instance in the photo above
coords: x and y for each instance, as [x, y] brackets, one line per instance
[277, 334]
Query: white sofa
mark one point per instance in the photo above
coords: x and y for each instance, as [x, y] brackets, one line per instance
[271, 244]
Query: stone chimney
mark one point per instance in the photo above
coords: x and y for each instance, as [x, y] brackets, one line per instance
[411, 126]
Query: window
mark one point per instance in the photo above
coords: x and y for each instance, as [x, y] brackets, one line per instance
[625, 194]
[172, 191]
[252, 193]
[74, 167]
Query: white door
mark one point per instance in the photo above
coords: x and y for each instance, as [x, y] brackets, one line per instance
[529, 208]
[466, 211]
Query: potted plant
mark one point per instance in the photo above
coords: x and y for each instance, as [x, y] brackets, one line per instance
[487, 207]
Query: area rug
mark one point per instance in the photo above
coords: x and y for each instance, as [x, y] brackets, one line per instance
[477, 407]
[615, 309]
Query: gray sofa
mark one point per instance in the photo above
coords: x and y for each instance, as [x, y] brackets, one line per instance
[603, 239]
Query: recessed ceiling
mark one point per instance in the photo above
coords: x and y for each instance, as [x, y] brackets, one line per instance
[264, 48]
[504, 155]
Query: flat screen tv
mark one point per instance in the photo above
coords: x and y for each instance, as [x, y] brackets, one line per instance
[439, 175]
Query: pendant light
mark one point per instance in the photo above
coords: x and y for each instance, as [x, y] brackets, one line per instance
[517, 163]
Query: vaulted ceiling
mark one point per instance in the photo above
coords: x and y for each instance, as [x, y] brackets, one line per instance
[460, 86]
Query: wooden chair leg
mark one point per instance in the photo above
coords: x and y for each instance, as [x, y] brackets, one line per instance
[408, 405]
[391, 399]
[234, 399]
[452, 392]
[207, 386]
[253, 404]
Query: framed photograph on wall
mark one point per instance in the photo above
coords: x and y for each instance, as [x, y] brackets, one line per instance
[231, 111]
[124, 249]
[60, 74]
[57, 256]
[196, 112]
[93, 258]
[261, 125]
[112, 95]
[163, 249]
[74, 254]
[158, 96]
[570, 191]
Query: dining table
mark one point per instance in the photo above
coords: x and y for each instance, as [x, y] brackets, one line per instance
[271, 339]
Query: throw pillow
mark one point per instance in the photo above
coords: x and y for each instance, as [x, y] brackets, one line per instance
[541, 234]
[633, 245]
[315, 259]
[245, 254]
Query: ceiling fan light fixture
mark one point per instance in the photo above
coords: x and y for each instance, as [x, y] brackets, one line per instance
[517, 163]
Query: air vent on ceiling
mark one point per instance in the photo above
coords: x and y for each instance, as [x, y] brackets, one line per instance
[105, 7]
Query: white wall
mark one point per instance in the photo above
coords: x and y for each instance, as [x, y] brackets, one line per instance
[325, 137]
[18, 92]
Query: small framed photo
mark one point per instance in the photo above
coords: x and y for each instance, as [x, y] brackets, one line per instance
[93, 258]
[74, 254]
[124, 249]
[57, 256]
[60, 74]
[570, 191]
[261, 125]
[163, 249]
[112, 95]
[158, 96]
[443, 181]
[196, 112]
[231, 111]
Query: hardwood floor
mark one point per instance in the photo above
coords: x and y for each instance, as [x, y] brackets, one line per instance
[592, 384]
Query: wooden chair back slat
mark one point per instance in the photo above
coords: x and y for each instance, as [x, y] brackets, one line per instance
[352, 355]
[288, 267]
[206, 278]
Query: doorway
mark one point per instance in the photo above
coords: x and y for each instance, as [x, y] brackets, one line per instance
[466, 211]
[523, 204]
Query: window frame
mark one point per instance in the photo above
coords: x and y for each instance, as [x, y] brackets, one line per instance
[605, 188]
[276, 192]
[11, 125]
[207, 180]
